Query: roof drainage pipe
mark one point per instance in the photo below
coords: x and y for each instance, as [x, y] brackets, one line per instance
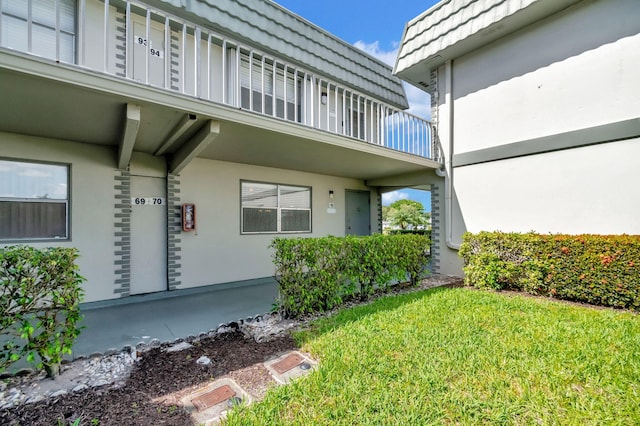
[448, 177]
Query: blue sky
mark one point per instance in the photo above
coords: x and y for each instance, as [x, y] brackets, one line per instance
[376, 27]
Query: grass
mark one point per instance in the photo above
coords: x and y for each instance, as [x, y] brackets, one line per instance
[459, 356]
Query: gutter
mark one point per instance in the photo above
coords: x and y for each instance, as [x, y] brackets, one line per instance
[448, 178]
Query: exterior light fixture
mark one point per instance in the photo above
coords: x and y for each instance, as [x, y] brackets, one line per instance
[323, 98]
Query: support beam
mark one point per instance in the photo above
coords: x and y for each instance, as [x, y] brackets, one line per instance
[129, 135]
[186, 122]
[426, 177]
[194, 146]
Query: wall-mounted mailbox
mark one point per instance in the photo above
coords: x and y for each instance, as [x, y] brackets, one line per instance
[188, 217]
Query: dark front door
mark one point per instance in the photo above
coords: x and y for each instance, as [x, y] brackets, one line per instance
[358, 212]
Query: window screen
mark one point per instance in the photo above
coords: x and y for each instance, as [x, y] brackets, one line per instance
[43, 27]
[272, 208]
[257, 85]
[34, 201]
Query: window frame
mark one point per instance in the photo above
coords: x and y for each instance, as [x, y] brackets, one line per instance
[279, 208]
[262, 79]
[66, 201]
[34, 23]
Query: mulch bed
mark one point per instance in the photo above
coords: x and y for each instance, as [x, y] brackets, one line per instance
[158, 376]
[160, 379]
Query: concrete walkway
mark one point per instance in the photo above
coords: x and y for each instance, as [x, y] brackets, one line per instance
[170, 315]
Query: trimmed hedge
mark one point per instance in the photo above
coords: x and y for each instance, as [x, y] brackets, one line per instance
[409, 231]
[318, 274]
[39, 296]
[596, 269]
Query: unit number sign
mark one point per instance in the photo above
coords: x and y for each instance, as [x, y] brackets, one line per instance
[143, 42]
[148, 201]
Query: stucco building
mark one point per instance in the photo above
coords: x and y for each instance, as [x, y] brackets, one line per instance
[537, 109]
[170, 140]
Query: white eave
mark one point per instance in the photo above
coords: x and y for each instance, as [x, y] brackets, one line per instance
[453, 28]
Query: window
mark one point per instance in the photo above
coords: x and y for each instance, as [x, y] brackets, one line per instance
[272, 208]
[43, 27]
[257, 85]
[34, 201]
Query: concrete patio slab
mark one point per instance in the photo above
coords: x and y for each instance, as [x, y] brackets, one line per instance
[171, 315]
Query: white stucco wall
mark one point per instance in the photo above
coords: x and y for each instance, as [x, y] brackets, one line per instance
[91, 203]
[583, 190]
[217, 252]
[574, 70]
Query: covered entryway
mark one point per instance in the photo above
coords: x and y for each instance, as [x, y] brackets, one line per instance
[148, 234]
[358, 212]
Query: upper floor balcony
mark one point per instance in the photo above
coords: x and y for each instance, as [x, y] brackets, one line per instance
[155, 50]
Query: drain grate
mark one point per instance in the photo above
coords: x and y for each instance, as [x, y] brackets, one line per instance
[212, 398]
[287, 363]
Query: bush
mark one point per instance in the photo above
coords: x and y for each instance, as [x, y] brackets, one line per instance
[39, 296]
[596, 269]
[318, 274]
[426, 232]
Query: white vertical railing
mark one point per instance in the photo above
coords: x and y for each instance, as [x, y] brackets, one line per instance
[208, 67]
[80, 37]
[57, 31]
[345, 111]
[106, 34]
[197, 37]
[165, 24]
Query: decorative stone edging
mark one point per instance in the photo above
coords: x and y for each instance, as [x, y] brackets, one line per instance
[113, 367]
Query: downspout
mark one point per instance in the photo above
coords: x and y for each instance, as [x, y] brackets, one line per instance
[448, 177]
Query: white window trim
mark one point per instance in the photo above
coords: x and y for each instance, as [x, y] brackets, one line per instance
[66, 201]
[56, 27]
[279, 209]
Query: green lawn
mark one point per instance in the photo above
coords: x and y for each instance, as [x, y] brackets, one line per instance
[459, 356]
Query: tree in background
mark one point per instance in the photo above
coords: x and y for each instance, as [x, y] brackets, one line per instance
[406, 214]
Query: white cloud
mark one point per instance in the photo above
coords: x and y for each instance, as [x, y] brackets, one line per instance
[57, 191]
[392, 197]
[35, 173]
[419, 101]
[373, 49]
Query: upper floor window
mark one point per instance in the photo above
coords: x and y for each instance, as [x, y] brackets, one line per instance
[273, 208]
[261, 79]
[34, 201]
[43, 27]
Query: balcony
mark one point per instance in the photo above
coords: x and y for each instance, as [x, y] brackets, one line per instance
[132, 42]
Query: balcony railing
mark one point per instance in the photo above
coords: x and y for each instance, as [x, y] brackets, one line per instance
[133, 41]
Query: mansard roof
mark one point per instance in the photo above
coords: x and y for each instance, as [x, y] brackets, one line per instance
[269, 27]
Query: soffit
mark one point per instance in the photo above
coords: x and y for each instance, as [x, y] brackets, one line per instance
[58, 102]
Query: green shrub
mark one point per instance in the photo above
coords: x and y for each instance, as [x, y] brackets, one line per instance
[318, 274]
[426, 232]
[596, 269]
[39, 296]
[309, 273]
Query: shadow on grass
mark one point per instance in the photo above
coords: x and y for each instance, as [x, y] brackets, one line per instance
[348, 315]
